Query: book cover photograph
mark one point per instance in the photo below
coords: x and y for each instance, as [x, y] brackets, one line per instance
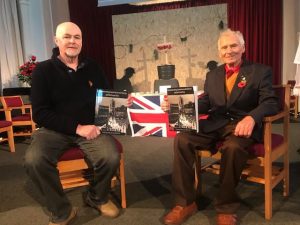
[111, 111]
[183, 112]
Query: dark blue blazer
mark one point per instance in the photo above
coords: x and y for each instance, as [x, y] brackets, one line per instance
[256, 98]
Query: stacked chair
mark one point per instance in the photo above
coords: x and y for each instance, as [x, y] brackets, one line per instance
[19, 114]
[294, 99]
[6, 128]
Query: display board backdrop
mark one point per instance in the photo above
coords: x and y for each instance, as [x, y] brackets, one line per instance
[189, 37]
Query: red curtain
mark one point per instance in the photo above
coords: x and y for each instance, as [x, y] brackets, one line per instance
[259, 20]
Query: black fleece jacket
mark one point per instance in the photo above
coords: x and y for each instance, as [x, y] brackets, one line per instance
[61, 97]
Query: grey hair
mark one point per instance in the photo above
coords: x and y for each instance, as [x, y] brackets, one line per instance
[228, 32]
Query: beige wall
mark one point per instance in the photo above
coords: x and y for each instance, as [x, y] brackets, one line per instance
[291, 37]
[291, 28]
[60, 12]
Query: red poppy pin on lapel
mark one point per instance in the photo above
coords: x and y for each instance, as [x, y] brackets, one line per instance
[243, 82]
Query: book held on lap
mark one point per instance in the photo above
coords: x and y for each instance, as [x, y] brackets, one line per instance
[111, 111]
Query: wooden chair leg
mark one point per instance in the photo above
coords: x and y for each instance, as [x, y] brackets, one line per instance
[268, 188]
[10, 139]
[286, 180]
[296, 108]
[33, 127]
[198, 180]
[122, 182]
[268, 202]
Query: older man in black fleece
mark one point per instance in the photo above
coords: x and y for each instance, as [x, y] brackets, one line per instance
[63, 101]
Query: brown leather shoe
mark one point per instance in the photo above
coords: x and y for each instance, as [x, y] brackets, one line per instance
[69, 219]
[109, 209]
[179, 214]
[226, 219]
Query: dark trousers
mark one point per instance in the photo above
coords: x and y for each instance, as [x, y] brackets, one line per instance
[41, 160]
[233, 159]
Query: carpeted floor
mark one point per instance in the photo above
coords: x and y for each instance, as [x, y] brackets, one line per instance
[148, 163]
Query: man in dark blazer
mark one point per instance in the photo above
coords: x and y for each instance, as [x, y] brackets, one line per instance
[237, 96]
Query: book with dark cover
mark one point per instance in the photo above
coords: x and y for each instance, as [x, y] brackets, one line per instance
[183, 112]
[111, 111]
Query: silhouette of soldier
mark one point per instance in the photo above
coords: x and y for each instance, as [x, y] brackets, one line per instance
[124, 83]
[211, 65]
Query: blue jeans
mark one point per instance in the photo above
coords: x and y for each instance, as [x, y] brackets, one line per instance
[41, 159]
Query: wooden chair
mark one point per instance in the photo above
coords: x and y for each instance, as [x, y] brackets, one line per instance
[75, 172]
[294, 99]
[19, 114]
[6, 126]
[260, 168]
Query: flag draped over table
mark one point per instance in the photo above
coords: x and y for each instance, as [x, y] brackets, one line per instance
[147, 118]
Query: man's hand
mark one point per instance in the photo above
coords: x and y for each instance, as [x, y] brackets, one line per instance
[88, 131]
[245, 127]
[129, 100]
[165, 104]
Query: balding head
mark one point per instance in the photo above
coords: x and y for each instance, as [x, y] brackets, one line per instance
[68, 39]
[61, 28]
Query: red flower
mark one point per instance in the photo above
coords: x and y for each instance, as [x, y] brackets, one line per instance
[26, 69]
[242, 84]
[164, 46]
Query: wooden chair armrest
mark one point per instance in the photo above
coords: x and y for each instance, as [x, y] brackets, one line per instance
[20, 107]
[12, 108]
[27, 106]
[5, 110]
[275, 117]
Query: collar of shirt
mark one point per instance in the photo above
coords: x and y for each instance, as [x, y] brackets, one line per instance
[231, 70]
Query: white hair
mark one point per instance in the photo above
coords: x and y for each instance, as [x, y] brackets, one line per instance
[229, 32]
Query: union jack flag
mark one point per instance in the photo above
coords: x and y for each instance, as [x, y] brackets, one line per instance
[147, 118]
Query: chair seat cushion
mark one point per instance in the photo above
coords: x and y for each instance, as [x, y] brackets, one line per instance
[76, 153]
[4, 123]
[72, 154]
[15, 101]
[258, 148]
[23, 117]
